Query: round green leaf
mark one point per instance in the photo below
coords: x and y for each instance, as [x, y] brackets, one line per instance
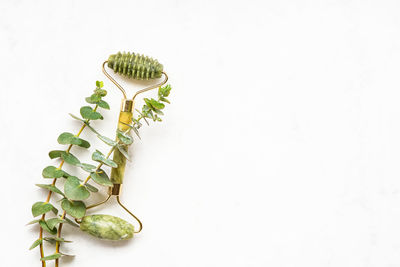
[55, 154]
[107, 140]
[91, 188]
[87, 167]
[89, 114]
[74, 190]
[124, 137]
[103, 104]
[69, 158]
[99, 157]
[123, 152]
[69, 138]
[76, 209]
[51, 188]
[52, 172]
[51, 223]
[101, 178]
[93, 99]
[45, 227]
[40, 208]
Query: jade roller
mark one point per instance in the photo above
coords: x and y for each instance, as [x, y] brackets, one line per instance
[137, 67]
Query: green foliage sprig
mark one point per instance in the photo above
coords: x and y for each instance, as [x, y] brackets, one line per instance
[76, 190]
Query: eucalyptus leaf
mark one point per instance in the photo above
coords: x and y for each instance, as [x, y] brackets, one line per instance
[55, 154]
[93, 99]
[70, 159]
[51, 257]
[53, 240]
[91, 188]
[91, 128]
[45, 227]
[52, 172]
[51, 188]
[87, 167]
[103, 104]
[33, 222]
[164, 91]
[99, 84]
[89, 114]
[101, 178]
[99, 157]
[165, 100]
[36, 243]
[68, 138]
[76, 118]
[51, 223]
[124, 137]
[40, 208]
[76, 209]
[74, 190]
[100, 92]
[107, 140]
[123, 152]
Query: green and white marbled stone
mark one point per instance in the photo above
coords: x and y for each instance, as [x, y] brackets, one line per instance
[107, 227]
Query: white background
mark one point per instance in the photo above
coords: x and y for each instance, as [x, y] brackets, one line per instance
[281, 146]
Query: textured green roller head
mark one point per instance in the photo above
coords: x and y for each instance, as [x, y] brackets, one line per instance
[135, 66]
[107, 227]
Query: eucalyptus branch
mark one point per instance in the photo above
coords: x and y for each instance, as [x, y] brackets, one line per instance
[41, 208]
[76, 191]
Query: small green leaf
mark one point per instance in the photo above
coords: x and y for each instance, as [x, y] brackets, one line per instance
[93, 99]
[76, 209]
[101, 178]
[70, 159]
[51, 188]
[71, 222]
[51, 257]
[89, 114]
[36, 243]
[76, 118]
[124, 137]
[52, 172]
[164, 91]
[40, 208]
[74, 190]
[87, 167]
[154, 104]
[103, 104]
[53, 240]
[69, 138]
[100, 92]
[91, 188]
[123, 152]
[51, 223]
[55, 154]
[164, 100]
[99, 157]
[99, 84]
[107, 140]
[45, 227]
[33, 222]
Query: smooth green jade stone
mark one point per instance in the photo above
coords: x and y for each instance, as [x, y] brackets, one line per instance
[107, 227]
